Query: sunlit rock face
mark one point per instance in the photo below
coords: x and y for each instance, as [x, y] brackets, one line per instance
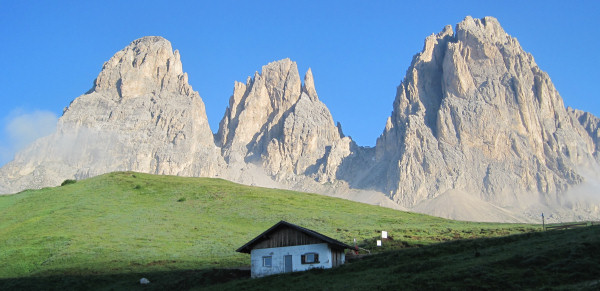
[141, 115]
[276, 121]
[476, 114]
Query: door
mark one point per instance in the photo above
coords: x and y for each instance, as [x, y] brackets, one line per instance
[335, 262]
[287, 260]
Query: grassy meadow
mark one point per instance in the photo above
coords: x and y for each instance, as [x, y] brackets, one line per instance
[111, 230]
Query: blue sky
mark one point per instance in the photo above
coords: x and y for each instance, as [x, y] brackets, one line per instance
[359, 51]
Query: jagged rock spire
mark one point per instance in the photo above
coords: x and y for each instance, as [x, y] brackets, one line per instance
[277, 122]
[258, 104]
[309, 85]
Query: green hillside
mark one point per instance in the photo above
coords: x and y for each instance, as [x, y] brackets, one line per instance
[128, 224]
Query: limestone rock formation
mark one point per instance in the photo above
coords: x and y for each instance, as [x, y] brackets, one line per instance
[477, 132]
[276, 122]
[476, 114]
[140, 115]
[591, 124]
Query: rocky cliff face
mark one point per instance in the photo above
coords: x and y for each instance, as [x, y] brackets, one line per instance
[476, 114]
[141, 115]
[275, 121]
[591, 125]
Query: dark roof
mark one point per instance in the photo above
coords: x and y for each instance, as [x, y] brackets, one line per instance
[248, 246]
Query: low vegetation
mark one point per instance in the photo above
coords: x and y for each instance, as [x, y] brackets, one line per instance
[112, 230]
[68, 181]
[553, 260]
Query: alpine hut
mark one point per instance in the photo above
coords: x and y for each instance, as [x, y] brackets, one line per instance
[286, 247]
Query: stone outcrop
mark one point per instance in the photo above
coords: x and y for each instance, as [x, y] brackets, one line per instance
[140, 115]
[476, 114]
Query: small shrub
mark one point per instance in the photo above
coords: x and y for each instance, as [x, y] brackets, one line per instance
[138, 186]
[181, 199]
[68, 181]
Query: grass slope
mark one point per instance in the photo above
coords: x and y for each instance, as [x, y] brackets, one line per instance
[116, 227]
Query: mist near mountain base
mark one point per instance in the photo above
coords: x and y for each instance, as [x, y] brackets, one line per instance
[22, 128]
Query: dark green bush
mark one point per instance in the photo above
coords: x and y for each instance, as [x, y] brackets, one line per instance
[68, 181]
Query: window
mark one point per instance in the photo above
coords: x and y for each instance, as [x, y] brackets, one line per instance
[310, 258]
[267, 261]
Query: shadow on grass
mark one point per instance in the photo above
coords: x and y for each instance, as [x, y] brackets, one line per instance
[166, 280]
[551, 260]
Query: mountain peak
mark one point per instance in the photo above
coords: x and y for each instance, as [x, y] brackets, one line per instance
[146, 66]
[473, 108]
[487, 29]
[150, 40]
[263, 99]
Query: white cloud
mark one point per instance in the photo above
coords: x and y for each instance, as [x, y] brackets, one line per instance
[23, 128]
